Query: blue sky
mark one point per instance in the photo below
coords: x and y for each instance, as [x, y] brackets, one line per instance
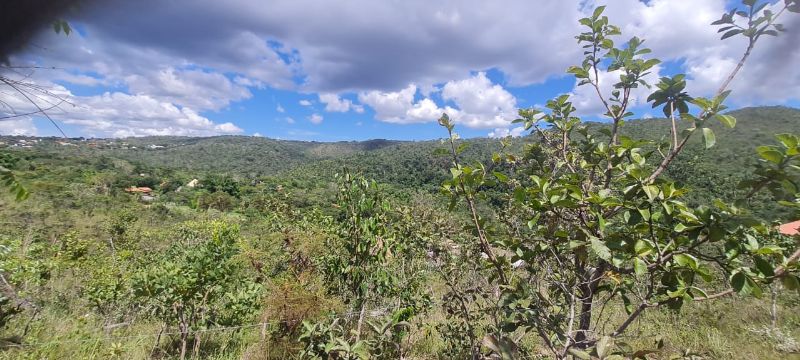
[355, 70]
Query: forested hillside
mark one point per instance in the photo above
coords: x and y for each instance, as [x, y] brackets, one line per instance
[413, 165]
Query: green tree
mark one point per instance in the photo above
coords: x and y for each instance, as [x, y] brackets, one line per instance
[198, 285]
[7, 177]
[594, 222]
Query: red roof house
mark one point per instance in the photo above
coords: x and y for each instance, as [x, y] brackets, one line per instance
[792, 228]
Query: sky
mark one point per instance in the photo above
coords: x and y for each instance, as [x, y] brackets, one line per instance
[362, 69]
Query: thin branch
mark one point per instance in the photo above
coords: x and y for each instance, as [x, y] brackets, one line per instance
[4, 80]
[484, 243]
[673, 154]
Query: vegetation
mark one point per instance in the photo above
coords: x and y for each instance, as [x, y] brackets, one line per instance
[624, 239]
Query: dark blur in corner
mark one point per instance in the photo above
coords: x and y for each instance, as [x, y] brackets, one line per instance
[20, 20]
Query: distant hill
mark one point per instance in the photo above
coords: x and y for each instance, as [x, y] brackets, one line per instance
[709, 173]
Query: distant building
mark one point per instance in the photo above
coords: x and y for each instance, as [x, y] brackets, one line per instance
[139, 190]
[792, 228]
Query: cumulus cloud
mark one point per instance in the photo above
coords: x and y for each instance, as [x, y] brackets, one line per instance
[481, 103]
[304, 102]
[399, 107]
[306, 44]
[478, 104]
[18, 126]
[280, 109]
[315, 118]
[333, 103]
[165, 51]
[195, 88]
[504, 132]
[585, 99]
[118, 114]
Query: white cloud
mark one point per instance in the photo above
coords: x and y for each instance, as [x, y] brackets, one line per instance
[304, 102]
[200, 90]
[118, 114]
[399, 107]
[481, 103]
[166, 52]
[289, 120]
[315, 118]
[389, 106]
[257, 135]
[478, 104]
[382, 45]
[504, 132]
[585, 99]
[333, 103]
[280, 109]
[18, 126]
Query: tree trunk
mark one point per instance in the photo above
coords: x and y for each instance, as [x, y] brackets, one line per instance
[361, 320]
[774, 310]
[158, 340]
[184, 336]
[585, 316]
[590, 281]
[196, 353]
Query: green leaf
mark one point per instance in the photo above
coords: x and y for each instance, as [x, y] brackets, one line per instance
[500, 176]
[731, 33]
[639, 266]
[652, 191]
[770, 154]
[604, 346]
[739, 283]
[728, 120]
[763, 266]
[461, 148]
[600, 249]
[708, 137]
[790, 282]
[788, 140]
[580, 354]
[745, 285]
[598, 11]
[686, 260]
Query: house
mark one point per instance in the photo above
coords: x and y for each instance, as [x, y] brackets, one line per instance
[140, 190]
[193, 183]
[792, 228]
